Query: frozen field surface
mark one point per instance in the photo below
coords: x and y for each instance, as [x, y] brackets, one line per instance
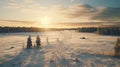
[63, 49]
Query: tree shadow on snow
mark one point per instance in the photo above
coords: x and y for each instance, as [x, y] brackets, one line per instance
[26, 58]
[98, 60]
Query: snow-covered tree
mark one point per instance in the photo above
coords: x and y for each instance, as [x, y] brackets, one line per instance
[29, 42]
[38, 41]
[117, 47]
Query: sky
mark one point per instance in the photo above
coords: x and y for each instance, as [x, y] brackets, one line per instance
[38, 13]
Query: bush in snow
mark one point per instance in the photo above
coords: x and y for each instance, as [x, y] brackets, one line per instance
[38, 41]
[47, 40]
[82, 38]
[29, 42]
[117, 47]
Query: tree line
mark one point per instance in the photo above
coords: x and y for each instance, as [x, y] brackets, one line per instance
[115, 31]
[26, 29]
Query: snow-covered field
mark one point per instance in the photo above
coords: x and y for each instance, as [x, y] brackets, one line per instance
[63, 49]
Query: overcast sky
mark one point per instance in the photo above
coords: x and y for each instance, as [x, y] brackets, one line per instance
[31, 12]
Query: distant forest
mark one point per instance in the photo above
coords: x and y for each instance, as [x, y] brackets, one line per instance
[113, 31]
[26, 29]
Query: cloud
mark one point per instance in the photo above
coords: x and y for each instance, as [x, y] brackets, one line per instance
[28, 1]
[21, 23]
[25, 6]
[77, 11]
[108, 14]
[82, 11]
[17, 21]
[72, 0]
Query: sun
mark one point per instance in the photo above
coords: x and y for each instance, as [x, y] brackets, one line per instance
[46, 20]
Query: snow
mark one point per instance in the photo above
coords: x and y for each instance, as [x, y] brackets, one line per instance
[62, 49]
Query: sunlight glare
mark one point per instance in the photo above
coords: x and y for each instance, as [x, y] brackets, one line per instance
[45, 20]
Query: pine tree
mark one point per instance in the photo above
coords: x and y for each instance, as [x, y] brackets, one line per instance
[29, 42]
[38, 41]
[117, 47]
